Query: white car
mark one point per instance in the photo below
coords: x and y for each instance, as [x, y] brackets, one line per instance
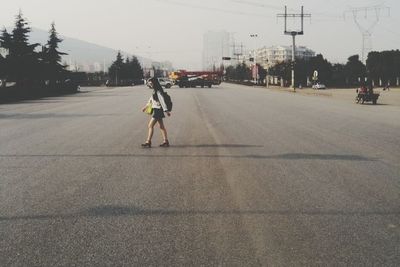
[318, 86]
[165, 82]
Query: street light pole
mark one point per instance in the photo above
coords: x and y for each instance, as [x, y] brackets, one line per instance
[255, 58]
[267, 80]
[293, 58]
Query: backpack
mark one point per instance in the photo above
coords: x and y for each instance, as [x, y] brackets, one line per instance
[168, 101]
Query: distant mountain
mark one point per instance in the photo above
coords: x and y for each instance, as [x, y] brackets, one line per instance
[81, 54]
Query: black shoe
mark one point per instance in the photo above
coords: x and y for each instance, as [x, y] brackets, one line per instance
[165, 144]
[147, 144]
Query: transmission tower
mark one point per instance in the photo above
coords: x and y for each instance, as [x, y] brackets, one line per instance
[294, 34]
[366, 29]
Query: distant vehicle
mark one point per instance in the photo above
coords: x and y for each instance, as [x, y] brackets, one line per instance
[165, 82]
[129, 82]
[364, 95]
[319, 86]
[188, 79]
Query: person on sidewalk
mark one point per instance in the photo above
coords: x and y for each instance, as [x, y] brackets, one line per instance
[159, 107]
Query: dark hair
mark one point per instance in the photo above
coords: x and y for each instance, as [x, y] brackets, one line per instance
[156, 87]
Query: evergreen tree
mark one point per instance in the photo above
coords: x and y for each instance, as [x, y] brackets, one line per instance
[137, 70]
[128, 70]
[2, 70]
[51, 57]
[23, 60]
[125, 70]
[5, 39]
[5, 43]
[115, 69]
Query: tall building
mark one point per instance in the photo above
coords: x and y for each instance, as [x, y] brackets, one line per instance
[215, 46]
[270, 56]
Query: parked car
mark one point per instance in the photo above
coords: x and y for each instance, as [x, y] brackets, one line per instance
[164, 82]
[319, 86]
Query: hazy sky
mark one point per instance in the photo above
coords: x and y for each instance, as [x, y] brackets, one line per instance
[173, 29]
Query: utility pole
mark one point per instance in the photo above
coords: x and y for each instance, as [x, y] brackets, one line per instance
[366, 30]
[235, 53]
[255, 58]
[294, 34]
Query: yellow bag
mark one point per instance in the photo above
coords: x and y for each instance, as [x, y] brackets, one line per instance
[149, 109]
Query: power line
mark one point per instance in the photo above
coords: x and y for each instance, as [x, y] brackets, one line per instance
[214, 9]
[268, 6]
[167, 51]
[257, 4]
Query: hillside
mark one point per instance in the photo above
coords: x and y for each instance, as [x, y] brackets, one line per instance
[84, 55]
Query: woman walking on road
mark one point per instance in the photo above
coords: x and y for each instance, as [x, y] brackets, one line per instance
[157, 102]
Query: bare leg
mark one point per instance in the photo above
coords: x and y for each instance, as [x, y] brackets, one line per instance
[163, 130]
[152, 122]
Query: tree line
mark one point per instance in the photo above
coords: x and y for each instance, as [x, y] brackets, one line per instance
[125, 71]
[241, 72]
[381, 68]
[32, 67]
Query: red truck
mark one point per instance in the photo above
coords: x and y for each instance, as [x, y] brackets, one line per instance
[184, 78]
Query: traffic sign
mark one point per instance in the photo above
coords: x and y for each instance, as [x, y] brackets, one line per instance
[315, 77]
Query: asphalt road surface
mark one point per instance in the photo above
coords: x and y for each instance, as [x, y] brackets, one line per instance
[253, 178]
